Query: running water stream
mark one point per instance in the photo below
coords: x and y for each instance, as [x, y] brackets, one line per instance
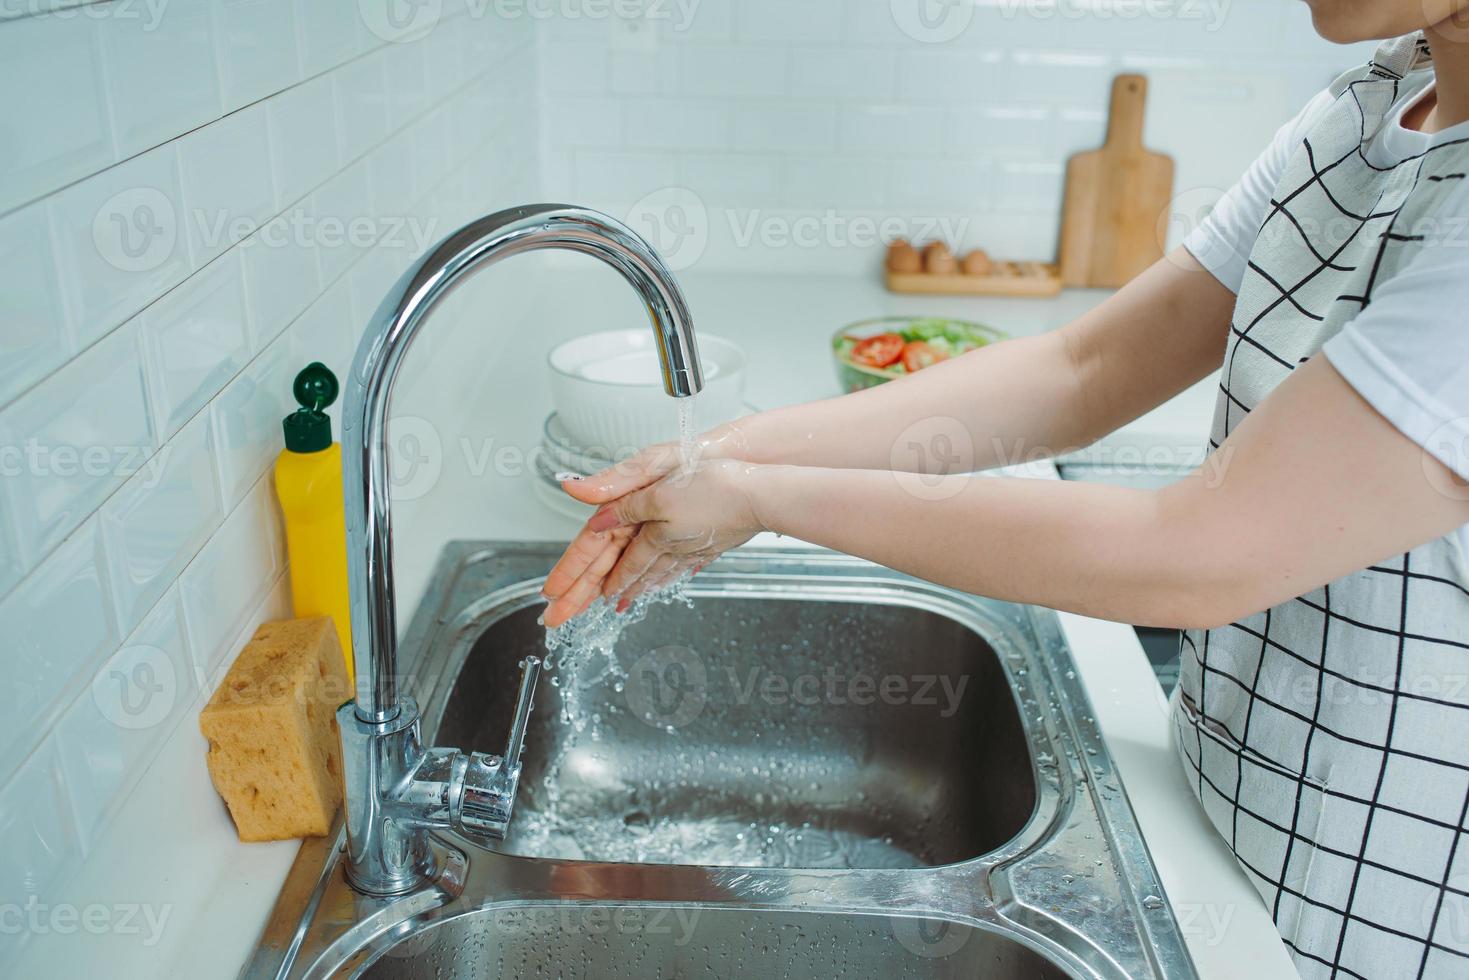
[687, 427]
[585, 645]
[582, 654]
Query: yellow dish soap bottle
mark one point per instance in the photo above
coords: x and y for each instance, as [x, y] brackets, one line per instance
[308, 483]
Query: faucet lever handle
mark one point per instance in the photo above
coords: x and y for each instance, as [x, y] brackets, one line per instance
[530, 671]
[486, 798]
[487, 794]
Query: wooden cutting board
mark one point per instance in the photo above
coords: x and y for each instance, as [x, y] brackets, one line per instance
[1117, 198]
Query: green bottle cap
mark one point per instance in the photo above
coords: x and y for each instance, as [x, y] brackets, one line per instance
[308, 429]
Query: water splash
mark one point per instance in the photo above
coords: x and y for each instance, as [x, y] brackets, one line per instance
[581, 654]
[585, 647]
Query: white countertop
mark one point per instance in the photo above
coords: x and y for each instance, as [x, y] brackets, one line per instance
[173, 847]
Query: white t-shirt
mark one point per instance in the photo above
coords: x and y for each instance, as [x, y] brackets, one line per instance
[1407, 352]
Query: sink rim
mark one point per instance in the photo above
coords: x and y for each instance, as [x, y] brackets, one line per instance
[321, 928]
[463, 888]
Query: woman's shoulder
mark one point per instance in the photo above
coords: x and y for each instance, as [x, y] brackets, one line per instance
[1312, 113]
[1435, 217]
[1404, 90]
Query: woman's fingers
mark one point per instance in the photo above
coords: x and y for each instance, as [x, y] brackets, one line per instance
[634, 563]
[623, 478]
[648, 536]
[600, 547]
[588, 586]
[663, 570]
[584, 549]
[680, 568]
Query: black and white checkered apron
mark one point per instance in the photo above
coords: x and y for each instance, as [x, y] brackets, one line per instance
[1328, 737]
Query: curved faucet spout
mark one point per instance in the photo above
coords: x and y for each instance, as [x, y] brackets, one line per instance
[395, 789]
[393, 328]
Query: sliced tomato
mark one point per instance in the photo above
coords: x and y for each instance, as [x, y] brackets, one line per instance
[879, 351]
[919, 354]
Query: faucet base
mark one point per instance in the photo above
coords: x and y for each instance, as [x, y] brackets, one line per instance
[385, 855]
[397, 791]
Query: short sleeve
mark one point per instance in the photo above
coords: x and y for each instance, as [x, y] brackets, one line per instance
[1407, 353]
[1223, 240]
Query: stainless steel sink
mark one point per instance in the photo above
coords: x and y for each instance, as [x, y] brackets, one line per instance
[635, 943]
[820, 768]
[759, 730]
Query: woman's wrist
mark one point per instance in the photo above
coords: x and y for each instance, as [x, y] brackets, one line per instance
[732, 440]
[762, 485]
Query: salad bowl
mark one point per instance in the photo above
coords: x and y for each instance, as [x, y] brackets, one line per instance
[870, 352]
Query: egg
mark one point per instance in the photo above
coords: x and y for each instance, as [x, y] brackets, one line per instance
[976, 263]
[938, 260]
[903, 257]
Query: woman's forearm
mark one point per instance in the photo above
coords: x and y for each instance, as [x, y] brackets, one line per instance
[974, 406]
[1311, 486]
[1021, 399]
[1086, 548]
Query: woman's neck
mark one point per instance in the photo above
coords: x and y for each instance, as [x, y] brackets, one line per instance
[1451, 76]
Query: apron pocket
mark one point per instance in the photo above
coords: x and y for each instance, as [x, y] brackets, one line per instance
[1269, 815]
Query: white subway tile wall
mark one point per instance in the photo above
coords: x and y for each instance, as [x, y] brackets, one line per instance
[190, 193]
[119, 239]
[159, 519]
[61, 130]
[802, 132]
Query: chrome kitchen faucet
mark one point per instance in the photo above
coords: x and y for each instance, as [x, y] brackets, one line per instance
[398, 791]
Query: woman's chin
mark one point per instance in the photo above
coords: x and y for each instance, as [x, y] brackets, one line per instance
[1342, 35]
[1350, 21]
[1334, 24]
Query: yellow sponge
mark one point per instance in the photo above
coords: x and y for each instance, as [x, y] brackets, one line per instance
[274, 754]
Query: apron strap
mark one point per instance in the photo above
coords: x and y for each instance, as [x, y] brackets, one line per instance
[1397, 56]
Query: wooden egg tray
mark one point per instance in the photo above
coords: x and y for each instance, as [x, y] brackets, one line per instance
[1004, 279]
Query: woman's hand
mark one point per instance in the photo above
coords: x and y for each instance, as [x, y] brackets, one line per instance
[577, 579]
[670, 523]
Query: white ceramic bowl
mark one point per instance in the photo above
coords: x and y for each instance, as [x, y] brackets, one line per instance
[609, 393]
